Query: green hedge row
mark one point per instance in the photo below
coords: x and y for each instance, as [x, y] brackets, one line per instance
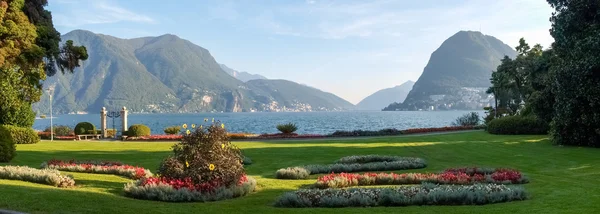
[517, 125]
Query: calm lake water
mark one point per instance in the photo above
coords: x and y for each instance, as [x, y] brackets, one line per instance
[307, 122]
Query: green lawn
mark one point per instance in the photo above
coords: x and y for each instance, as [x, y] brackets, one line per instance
[563, 179]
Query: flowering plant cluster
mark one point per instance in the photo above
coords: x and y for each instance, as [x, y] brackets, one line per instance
[155, 138]
[439, 129]
[41, 176]
[341, 180]
[99, 167]
[180, 190]
[368, 163]
[426, 194]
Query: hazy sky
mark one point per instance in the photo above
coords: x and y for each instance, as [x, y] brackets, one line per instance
[349, 48]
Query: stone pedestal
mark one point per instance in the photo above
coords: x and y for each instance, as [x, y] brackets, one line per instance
[103, 122]
[124, 119]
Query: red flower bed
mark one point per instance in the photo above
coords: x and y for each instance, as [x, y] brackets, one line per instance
[439, 129]
[450, 176]
[101, 167]
[206, 187]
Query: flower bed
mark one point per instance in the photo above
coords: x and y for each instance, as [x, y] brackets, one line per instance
[353, 164]
[498, 176]
[155, 138]
[426, 194]
[184, 190]
[439, 129]
[42, 176]
[99, 167]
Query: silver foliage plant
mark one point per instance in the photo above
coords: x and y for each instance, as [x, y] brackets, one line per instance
[426, 194]
[131, 172]
[367, 163]
[41, 176]
[166, 192]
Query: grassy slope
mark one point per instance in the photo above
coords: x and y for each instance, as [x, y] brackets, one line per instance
[563, 179]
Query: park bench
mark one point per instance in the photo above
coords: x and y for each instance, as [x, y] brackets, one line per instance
[85, 136]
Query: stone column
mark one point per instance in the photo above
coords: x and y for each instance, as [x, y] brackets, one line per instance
[124, 119]
[103, 122]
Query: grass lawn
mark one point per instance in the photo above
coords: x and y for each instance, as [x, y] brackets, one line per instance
[563, 179]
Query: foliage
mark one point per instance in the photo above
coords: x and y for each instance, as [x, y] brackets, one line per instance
[514, 125]
[356, 133]
[7, 145]
[353, 164]
[21, 116]
[110, 133]
[469, 119]
[575, 28]
[429, 194]
[205, 155]
[172, 130]
[99, 167]
[41, 176]
[177, 190]
[84, 128]
[19, 135]
[287, 128]
[60, 130]
[138, 130]
[440, 129]
[155, 138]
[246, 161]
[498, 176]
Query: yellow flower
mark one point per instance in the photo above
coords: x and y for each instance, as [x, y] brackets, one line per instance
[184, 126]
[188, 132]
[222, 146]
[193, 126]
[200, 126]
[213, 120]
[222, 126]
[187, 164]
[211, 167]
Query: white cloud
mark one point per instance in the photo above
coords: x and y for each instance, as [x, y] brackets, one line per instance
[99, 12]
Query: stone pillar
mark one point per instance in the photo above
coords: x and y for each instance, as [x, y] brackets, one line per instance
[103, 122]
[124, 119]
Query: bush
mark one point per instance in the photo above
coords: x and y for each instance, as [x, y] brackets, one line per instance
[84, 128]
[41, 176]
[172, 130]
[20, 135]
[287, 128]
[175, 190]
[367, 163]
[469, 119]
[138, 130]
[7, 145]
[516, 125]
[60, 130]
[22, 116]
[205, 155]
[99, 167]
[426, 194]
[111, 133]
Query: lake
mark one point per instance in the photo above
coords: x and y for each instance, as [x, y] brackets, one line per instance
[265, 122]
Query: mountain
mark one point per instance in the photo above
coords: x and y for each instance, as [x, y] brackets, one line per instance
[164, 74]
[384, 97]
[458, 74]
[242, 76]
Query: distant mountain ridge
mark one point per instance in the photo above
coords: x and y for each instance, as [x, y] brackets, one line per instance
[167, 74]
[457, 74]
[242, 76]
[383, 97]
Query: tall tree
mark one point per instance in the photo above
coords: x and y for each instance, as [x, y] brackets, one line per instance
[576, 30]
[29, 51]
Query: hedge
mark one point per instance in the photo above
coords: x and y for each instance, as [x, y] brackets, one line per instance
[138, 130]
[19, 135]
[517, 125]
[84, 128]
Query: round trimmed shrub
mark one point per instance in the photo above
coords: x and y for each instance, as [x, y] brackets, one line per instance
[517, 125]
[20, 135]
[84, 128]
[138, 130]
[172, 130]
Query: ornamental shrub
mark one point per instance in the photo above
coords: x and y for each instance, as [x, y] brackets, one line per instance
[21, 135]
[287, 128]
[84, 128]
[7, 145]
[517, 125]
[41, 176]
[60, 130]
[205, 155]
[138, 130]
[469, 119]
[172, 130]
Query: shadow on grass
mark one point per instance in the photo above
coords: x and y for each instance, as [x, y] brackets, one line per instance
[112, 187]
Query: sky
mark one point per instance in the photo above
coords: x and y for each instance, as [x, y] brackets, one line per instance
[351, 48]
